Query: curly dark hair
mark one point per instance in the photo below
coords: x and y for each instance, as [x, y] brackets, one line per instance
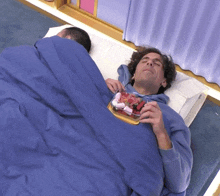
[168, 65]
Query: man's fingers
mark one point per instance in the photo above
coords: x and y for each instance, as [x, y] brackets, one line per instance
[147, 108]
[146, 120]
[115, 85]
[151, 113]
[150, 106]
[111, 88]
[118, 86]
[122, 88]
[154, 104]
[148, 114]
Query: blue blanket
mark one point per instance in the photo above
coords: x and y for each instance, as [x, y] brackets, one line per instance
[57, 136]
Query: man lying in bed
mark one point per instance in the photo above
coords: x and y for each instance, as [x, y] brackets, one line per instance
[149, 74]
[57, 136]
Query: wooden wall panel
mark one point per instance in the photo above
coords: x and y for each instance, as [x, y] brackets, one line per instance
[59, 3]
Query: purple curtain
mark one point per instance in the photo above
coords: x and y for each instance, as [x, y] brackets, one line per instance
[188, 30]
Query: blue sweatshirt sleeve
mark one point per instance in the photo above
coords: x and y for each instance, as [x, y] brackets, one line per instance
[178, 160]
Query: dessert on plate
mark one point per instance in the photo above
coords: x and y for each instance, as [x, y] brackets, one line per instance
[127, 107]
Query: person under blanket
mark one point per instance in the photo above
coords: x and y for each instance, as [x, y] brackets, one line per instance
[77, 34]
[148, 75]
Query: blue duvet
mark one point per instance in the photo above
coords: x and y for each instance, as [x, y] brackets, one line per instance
[57, 136]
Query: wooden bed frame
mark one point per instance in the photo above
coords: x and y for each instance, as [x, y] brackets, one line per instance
[66, 8]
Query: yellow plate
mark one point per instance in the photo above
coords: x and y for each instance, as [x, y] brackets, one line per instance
[126, 119]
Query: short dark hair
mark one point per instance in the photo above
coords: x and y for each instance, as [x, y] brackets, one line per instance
[79, 35]
[168, 65]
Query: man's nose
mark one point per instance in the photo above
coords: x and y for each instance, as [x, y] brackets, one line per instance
[150, 63]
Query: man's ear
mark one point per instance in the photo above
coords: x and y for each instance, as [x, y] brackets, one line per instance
[164, 83]
[133, 77]
[61, 33]
[68, 37]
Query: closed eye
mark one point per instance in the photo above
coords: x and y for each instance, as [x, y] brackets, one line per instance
[157, 62]
[144, 61]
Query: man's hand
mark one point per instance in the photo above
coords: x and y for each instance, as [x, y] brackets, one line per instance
[152, 114]
[114, 85]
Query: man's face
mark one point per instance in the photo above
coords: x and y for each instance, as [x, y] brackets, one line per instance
[150, 69]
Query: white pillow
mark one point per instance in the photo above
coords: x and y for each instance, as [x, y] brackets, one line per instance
[187, 94]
